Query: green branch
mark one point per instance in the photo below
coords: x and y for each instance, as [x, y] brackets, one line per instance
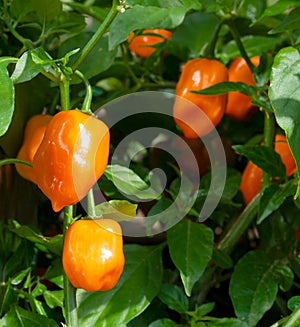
[97, 36]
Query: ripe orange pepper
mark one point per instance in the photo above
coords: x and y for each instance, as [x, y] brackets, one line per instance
[33, 135]
[239, 106]
[141, 44]
[198, 74]
[71, 158]
[252, 175]
[93, 257]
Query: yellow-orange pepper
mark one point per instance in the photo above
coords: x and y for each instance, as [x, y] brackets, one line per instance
[72, 157]
[201, 113]
[93, 257]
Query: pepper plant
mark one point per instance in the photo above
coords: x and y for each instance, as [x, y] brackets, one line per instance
[236, 266]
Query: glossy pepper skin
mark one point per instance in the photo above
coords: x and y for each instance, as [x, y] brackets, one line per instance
[141, 44]
[252, 175]
[33, 136]
[239, 106]
[201, 113]
[93, 257]
[71, 158]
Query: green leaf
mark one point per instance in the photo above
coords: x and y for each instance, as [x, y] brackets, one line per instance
[53, 244]
[163, 323]
[284, 276]
[202, 310]
[252, 287]
[97, 61]
[225, 322]
[149, 17]
[289, 23]
[119, 210]
[190, 246]
[273, 197]
[19, 317]
[139, 284]
[195, 42]
[225, 87]
[284, 94]
[26, 68]
[254, 45]
[17, 279]
[222, 259]
[264, 157]
[279, 7]
[174, 297]
[54, 298]
[293, 302]
[93, 11]
[128, 182]
[7, 96]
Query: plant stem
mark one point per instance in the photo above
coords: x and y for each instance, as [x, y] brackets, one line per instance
[64, 86]
[239, 226]
[86, 105]
[269, 134]
[69, 289]
[91, 204]
[237, 39]
[210, 51]
[294, 319]
[97, 36]
[14, 161]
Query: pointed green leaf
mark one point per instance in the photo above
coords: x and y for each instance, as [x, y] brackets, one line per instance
[139, 284]
[118, 210]
[173, 296]
[252, 286]
[190, 246]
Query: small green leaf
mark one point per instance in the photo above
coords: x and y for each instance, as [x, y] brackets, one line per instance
[293, 302]
[190, 246]
[19, 317]
[264, 157]
[222, 259]
[173, 296]
[202, 310]
[284, 276]
[289, 23]
[128, 182]
[54, 298]
[273, 197]
[119, 210]
[16, 280]
[252, 286]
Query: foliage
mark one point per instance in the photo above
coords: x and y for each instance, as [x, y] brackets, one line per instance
[238, 267]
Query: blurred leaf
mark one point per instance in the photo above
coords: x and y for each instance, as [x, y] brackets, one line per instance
[93, 11]
[264, 157]
[140, 282]
[279, 7]
[7, 96]
[118, 210]
[252, 286]
[190, 246]
[284, 276]
[254, 45]
[222, 259]
[167, 16]
[173, 296]
[273, 197]
[202, 310]
[8, 296]
[195, 42]
[163, 323]
[284, 94]
[290, 23]
[293, 302]
[19, 317]
[66, 22]
[128, 182]
[225, 322]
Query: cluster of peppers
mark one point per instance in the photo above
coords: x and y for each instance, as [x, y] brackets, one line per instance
[69, 153]
[197, 115]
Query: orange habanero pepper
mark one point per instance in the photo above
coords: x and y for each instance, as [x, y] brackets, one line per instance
[141, 44]
[33, 136]
[93, 257]
[239, 106]
[72, 157]
[252, 175]
[201, 113]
